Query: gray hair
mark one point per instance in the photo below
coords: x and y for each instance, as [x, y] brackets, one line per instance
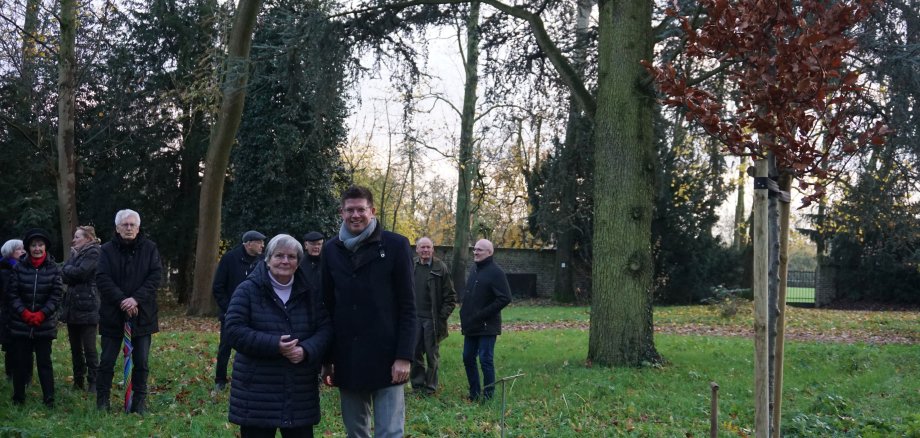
[283, 241]
[123, 214]
[10, 246]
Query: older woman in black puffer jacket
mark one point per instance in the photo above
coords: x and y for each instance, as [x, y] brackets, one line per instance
[81, 306]
[35, 292]
[280, 330]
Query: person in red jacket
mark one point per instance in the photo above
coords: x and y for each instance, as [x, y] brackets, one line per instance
[35, 292]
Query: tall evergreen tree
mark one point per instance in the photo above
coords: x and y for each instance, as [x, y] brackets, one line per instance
[285, 174]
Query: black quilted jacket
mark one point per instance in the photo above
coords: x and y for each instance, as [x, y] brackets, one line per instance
[268, 390]
[35, 289]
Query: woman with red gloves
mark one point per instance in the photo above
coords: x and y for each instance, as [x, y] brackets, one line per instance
[35, 291]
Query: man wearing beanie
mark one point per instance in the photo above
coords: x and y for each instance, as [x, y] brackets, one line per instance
[233, 268]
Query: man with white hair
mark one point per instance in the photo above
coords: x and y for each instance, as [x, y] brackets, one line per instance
[127, 277]
[487, 293]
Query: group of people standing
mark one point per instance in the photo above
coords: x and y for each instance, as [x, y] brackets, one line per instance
[107, 286]
[360, 311]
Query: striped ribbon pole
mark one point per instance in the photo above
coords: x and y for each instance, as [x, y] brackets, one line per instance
[129, 366]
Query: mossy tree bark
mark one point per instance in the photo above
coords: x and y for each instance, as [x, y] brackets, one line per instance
[621, 312]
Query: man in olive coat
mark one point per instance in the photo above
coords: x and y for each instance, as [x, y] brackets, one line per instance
[435, 300]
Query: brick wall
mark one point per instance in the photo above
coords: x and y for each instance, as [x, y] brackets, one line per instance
[529, 261]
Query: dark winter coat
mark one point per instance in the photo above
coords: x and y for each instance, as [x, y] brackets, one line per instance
[233, 268]
[38, 290]
[6, 270]
[440, 288]
[487, 293]
[81, 301]
[370, 296]
[310, 266]
[268, 390]
[128, 269]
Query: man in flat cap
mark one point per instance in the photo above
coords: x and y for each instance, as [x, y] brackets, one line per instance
[234, 267]
[312, 247]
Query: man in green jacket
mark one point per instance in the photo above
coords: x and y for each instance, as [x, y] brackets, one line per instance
[435, 299]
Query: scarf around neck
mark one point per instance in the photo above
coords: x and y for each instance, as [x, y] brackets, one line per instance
[351, 241]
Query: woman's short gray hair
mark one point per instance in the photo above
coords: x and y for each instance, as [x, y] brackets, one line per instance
[10, 246]
[283, 241]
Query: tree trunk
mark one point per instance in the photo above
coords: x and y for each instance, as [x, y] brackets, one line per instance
[621, 313]
[460, 257]
[223, 137]
[66, 179]
[564, 290]
[740, 223]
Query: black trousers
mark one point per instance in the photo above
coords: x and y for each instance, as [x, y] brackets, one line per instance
[111, 347]
[223, 356]
[269, 432]
[22, 369]
[83, 352]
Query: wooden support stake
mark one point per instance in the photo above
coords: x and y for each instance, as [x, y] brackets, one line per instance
[714, 411]
[760, 286]
[785, 184]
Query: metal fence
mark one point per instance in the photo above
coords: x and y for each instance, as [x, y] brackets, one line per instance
[800, 288]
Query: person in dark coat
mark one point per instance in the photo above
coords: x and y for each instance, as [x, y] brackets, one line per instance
[233, 268]
[487, 293]
[35, 293]
[435, 300]
[11, 252]
[368, 289]
[127, 277]
[81, 306]
[312, 247]
[281, 332]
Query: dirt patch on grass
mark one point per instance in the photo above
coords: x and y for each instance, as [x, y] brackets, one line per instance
[182, 323]
[849, 336]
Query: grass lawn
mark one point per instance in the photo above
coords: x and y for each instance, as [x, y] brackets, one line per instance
[832, 389]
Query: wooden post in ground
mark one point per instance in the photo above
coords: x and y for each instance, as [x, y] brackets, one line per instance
[785, 185]
[760, 286]
[714, 410]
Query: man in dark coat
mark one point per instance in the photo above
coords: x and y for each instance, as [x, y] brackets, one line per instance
[127, 277]
[312, 248]
[368, 289]
[487, 293]
[233, 268]
[435, 299]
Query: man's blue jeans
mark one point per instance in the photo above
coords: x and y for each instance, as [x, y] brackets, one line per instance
[482, 347]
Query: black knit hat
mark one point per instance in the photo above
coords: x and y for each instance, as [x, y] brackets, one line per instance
[36, 233]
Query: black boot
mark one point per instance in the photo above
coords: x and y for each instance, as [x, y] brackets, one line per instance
[78, 383]
[139, 405]
[102, 403]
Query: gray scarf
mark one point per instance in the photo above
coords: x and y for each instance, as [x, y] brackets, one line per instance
[351, 241]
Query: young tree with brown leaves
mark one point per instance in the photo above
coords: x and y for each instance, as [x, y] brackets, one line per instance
[794, 99]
